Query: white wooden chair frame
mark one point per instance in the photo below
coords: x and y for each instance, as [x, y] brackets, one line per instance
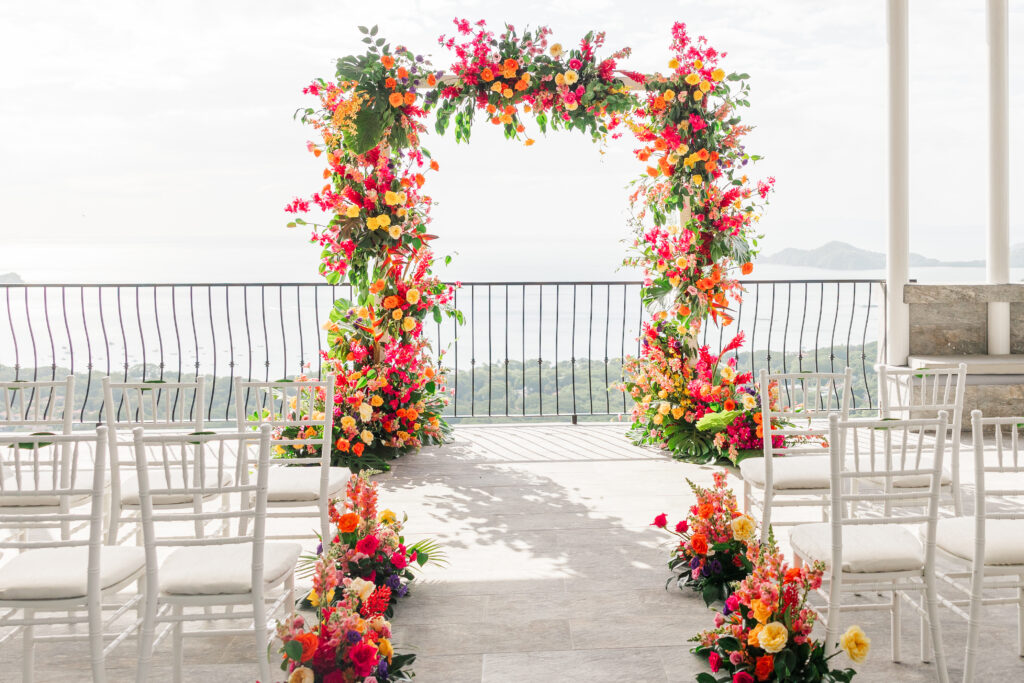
[912, 460]
[277, 394]
[831, 385]
[146, 405]
[65, 449]
[912, 393]
[977, 577]
[162, 608]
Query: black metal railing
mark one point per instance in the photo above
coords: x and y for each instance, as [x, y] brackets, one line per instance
[527, 349]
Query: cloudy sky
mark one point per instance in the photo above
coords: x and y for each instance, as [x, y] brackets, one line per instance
[154, 141]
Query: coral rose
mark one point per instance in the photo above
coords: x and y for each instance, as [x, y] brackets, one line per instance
[855, 644]
[747, 268]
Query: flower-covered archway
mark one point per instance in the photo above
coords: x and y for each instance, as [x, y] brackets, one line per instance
[694, 210]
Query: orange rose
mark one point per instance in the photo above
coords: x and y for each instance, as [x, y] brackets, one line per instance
[309, 642]
[431, 80]
[342, 445]
[760, 431]
[348, 522]
[747, 268]
[396, 99]
[487, 74]
[706, 510]
[388, 61]
[730, 404]
[402, 73]
[377, 286]
[699, 543]
[434, 166]
[410, 98]
[765, 667]
[390, 83]
[758, 418]
[391, 302]
[358, 449]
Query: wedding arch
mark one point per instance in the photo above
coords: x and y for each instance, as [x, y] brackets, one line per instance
[694, 209]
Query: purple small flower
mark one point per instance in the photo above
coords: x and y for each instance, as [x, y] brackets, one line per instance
[382, 670]
[353, 637]
[319, 548]
[694, 563]
[716, 566]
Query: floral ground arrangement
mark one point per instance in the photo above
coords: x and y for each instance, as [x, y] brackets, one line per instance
[711, 553]
[358, 578]
[694, 212]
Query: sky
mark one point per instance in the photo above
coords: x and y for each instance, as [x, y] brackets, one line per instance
[154, 142]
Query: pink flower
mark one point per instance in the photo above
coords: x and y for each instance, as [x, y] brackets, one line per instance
[681, 527]
[742, 677]
[575, 64]
[368, 545]
[364, 657]
[714, 661]
[661, 521]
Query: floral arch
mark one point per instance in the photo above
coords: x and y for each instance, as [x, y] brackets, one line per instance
[693, 208]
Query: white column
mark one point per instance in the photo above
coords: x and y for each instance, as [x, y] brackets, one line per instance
[898, 253]
[998, 260]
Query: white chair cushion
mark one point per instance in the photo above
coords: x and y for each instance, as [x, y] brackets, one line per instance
[288, 484]
[1003, 544]
[789, 472]
[46, 498]
[867, 548]
[158, 480]
[224, 569]
[61, 573]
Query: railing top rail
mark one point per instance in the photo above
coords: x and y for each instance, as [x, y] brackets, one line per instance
[475, 283]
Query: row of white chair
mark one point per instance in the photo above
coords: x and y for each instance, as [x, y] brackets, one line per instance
[180, 567]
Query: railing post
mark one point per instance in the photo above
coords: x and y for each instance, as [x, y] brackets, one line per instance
[998, 258]
[898, 254]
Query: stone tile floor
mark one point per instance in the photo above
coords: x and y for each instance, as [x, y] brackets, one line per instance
[554, 574]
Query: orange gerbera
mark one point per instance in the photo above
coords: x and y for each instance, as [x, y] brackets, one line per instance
[348, 522]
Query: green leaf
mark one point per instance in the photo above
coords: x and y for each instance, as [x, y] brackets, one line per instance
[705, 677]
[728, 643]
[293, 649]
[716, 422]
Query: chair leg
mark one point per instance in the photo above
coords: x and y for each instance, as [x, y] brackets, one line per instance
[259, 627]
[935, 626]
[99, 671]
[746, 497]
[27, 650]
[147, 612]
[1020, 621]
[926, 640]
[832, 625]
[766, 512]
[896, 625]
[177, 636]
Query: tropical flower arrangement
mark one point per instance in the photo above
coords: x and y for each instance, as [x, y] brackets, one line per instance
[358, 577]
[763, 632]
[701, 409]
[374, 212]
[711, 553]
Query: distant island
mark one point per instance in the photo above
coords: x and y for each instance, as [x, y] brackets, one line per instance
[842, 256]
[11, 279]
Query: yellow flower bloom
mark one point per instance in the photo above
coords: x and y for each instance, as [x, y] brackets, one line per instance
[384, 220]
[371, 223]
[754, 635]
[669, 95]
[762, 612]
[705, 86]
[387, 516]
[365, 412]
[697, 94]
[696, 180]
[677, 413]
[390, 198]
[385, 649]
[556, 50]
[367, 436]
[353, 211]
[697, 64]
[409, 324]
[303, 674]
[658, 419]
[395, 231]
[376, 401]
[571, 77]
[413, 295]
[559, 79]
[396, 314]
[692, 79]
[749, 402]
[717, 74]
[673, 63]
[664, 408]
[743, 528]
[773, 637]
[855, 644]
[348, 422]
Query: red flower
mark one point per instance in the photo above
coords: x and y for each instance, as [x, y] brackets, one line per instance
[681, 527]
[742, 677]
[714, 661]
[368, 545]
[334, 677]
[575, 64]
[765, 667]
[699, 543]
[364, 657]
[661, 521]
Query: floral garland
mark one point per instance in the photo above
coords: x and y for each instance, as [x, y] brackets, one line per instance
[711, 553]
[375, 231]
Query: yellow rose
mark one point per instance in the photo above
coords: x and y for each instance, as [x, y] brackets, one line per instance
[365, 412]
[412, 296]
[673, 63]
[773, 637]
[378, 623]
[692, 79]
[353, 211]
[669, 95]
[376, 401]
[348, 422]
[559, 79]
[718, 74]
[664, 408]
[390, 198]
[371, 223]
[697, 94]
[367, 436]
[705, 86]
[754, 635]
[384, 646]
[677, 413]
[762, 612]
[749, 402]
[571, 77]
[743, 528]
[395, 231]
[302, 675]
[409, 324]
[855, 644]
[387, 516]
[697, 64]
[696, 180]
[396, 314]
[658, 419]
[556, 50]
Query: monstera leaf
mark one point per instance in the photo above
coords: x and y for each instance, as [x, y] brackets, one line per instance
[716, 422]
[370, 124]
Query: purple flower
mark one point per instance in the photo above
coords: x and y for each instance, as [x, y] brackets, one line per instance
[716, 566]
[382, 670]
[319, 548]
[694, 563]
[353, 637]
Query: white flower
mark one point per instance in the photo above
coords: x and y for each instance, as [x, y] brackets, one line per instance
[728, 373]
[362, 588]
[743, 527]
[365, 412]
[749, 402]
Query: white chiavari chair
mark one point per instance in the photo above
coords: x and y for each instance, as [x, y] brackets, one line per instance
[296, 481]
[987, 550]
[794, 471]
[203, 572]
[866, 550]
[71, 574]
[159, 407]
[912, 393]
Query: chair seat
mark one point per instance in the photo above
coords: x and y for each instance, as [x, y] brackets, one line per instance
[871, 548]
[1003, 544]
[789, 472]
[62, 573]
[296, 483]
[45, 498]
[224, 569]
[158, 480]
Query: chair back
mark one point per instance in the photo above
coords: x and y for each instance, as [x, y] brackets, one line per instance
[198, 467]
[912, 393]
[36, 406]
[999, 483]
[805, 400]
[44, 485]
[300, 414]
[865, 451]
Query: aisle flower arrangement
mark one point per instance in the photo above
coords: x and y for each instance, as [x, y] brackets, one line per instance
[371, 217]
[700, 409]
[713, 540]
[763, 632]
